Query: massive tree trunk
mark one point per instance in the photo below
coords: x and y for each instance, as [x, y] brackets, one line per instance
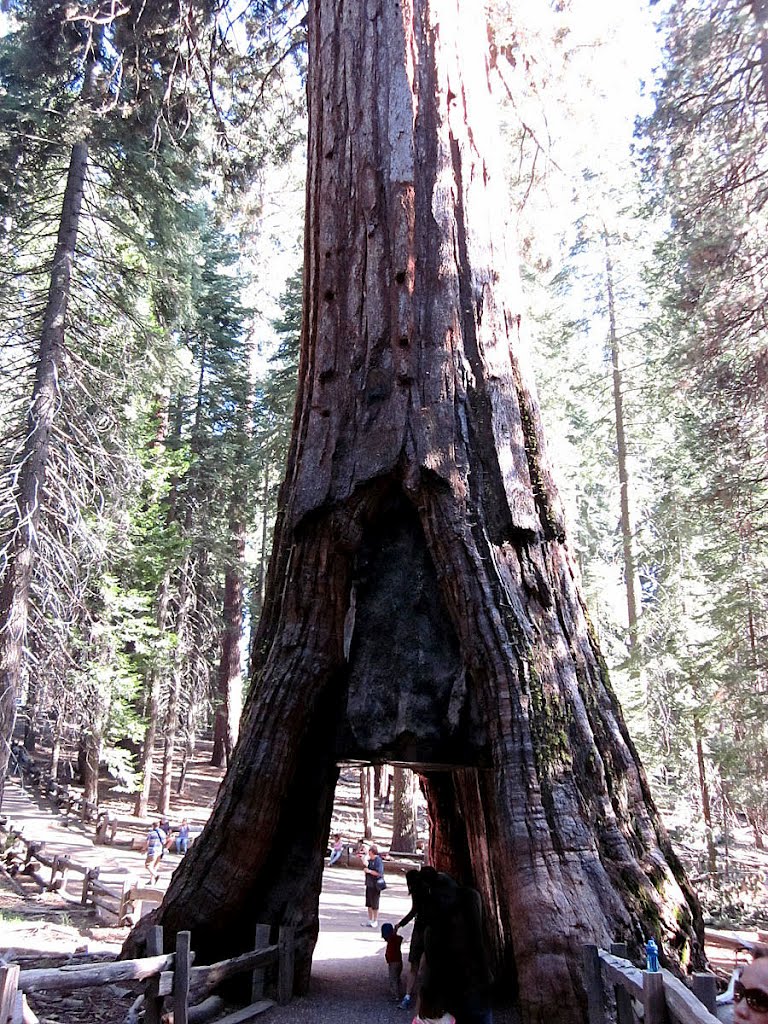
[33, 466]
[421, 605]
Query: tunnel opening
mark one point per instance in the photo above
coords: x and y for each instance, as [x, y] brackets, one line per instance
[440, 825]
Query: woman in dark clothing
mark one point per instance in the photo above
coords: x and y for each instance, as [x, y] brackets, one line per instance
[417, 891]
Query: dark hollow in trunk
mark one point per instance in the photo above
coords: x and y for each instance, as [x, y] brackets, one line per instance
[422, 606]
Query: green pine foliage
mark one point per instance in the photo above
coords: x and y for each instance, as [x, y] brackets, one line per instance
[704, 158]
[687, 247]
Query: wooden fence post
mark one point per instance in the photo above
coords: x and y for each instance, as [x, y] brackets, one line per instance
[624, 1012]
[153, 1001]
[257, 982]
[54, 872]
[181, 976]
[9, 980]
[65, 863]
[285, 960]
[593, 982]
[90, 875]
[654, 1000]
[705, 989]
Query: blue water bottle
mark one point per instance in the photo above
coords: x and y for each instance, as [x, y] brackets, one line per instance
[651, 956]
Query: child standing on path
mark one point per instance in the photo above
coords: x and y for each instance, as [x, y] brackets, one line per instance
[394, 957]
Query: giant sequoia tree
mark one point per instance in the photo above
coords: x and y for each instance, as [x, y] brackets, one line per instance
[422, 606]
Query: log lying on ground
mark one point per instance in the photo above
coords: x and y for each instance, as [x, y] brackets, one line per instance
[75, 976]
[210, 1007]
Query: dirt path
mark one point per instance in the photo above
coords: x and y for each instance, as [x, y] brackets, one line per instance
[39, 821]
[349, 974]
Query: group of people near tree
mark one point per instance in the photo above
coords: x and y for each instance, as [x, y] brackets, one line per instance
[161, 838]
[449, 981]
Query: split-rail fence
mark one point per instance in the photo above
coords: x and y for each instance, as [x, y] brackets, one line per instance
[166, 976]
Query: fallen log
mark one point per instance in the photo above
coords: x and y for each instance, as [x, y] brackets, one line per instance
[202, 1012]
[76, 976]
[247, 1013]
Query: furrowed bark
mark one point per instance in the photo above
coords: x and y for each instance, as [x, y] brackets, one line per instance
[422, 606]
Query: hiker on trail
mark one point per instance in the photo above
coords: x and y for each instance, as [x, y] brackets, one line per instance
[156, 840]
[394, 957]
[336, 850]
[374, 883]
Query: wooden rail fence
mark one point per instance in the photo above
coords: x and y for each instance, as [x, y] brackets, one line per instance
[70, 801]
[616, 989]
[170, 976]
[122, 903]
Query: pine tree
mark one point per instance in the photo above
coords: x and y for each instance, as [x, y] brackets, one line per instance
[106, 79]
[704, 163]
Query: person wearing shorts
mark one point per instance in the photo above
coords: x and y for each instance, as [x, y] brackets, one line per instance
[156, 839]
[374, 870]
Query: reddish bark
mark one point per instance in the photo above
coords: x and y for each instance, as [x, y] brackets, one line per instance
[422, 606]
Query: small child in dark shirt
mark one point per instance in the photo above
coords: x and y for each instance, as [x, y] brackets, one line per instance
[394, 957]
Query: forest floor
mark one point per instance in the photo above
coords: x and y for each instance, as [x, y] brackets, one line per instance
[349, 979]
